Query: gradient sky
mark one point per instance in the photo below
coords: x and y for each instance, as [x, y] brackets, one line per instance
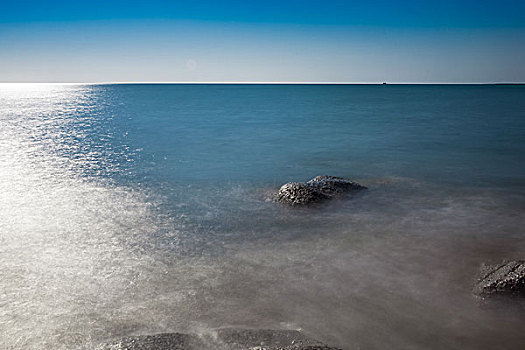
[264, 41]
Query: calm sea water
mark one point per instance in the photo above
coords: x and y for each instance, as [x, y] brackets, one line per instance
[137, 209]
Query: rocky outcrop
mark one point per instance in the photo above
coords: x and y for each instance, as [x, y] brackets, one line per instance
[315, 190]
[221, 339]
[506, 279]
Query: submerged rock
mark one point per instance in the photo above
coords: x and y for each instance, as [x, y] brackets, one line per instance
[315, 190]
[506, 279]
[222, 339]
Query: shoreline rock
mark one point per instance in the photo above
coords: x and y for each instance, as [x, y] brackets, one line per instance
[220, 339]
[318, 189]
[503, 280]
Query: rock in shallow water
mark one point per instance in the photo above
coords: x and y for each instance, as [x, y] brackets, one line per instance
[268, 339]
[165, 341]
[315, 190]
[222, 339]
[506, 279]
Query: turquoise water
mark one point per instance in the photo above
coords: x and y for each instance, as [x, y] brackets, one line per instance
[271, 133]
[133, 209]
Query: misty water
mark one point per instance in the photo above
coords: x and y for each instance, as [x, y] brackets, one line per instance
[141, 209]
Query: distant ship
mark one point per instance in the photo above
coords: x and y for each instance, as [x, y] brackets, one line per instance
[384, 83]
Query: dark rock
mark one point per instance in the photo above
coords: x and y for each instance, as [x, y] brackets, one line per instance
[332, 185]
[506, 279]
[171, 341]
[221, 339]
[266, 339]
[315, 190]
[297, 193]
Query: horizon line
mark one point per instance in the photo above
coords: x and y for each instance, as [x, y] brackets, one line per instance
[261, 83]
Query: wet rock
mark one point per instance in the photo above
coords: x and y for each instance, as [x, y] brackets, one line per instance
[297, 193]
[332, 185]
[222, 339]
[315, 190]
[266, 339]
[171, 341]
[506, 279]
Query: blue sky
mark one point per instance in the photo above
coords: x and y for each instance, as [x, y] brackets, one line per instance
[321, 41]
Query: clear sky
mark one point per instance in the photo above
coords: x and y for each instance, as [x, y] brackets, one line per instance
[263, 41]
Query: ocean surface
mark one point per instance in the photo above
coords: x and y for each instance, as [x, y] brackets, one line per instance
[140, 209]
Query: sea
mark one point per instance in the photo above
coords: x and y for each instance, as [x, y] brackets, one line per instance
[129, 209]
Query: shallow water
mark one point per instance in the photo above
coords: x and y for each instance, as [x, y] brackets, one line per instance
[137, 209]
